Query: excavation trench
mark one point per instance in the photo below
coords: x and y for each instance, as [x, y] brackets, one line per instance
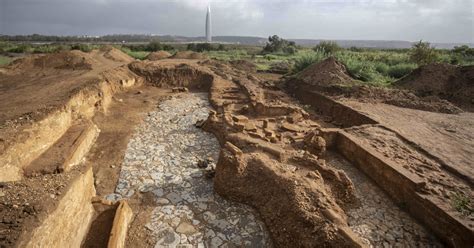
[162, 157]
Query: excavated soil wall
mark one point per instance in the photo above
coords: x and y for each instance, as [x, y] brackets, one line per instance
[340, 114]
[67, 225]
[402, 187]
[181, 75]
[35, 138]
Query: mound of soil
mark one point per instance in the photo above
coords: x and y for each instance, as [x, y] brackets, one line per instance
[244, 65]
[325, 73]
[453, 83]
[188, 55]
[158, 55]
[75, 60]
[115, 54]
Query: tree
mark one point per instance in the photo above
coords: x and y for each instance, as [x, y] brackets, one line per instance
[276, 44]
[422, 53]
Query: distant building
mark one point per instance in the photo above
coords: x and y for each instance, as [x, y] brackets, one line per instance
[208, 24]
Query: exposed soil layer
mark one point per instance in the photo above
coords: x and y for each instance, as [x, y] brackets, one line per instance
[158, 55]
[331, 78]
[272, 155]
[453, 83]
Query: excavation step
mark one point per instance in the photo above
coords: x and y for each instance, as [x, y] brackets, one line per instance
[165, 158]
[67, 152]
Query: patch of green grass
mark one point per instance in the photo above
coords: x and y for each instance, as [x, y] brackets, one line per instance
[308, 59]
[462, 204]
[135, 54]
[4, 60]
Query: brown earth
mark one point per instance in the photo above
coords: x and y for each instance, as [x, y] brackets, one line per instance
[188, 55]
[158, 55]
[272, 150]
[330, 77]
[244, 65]
[453, 83]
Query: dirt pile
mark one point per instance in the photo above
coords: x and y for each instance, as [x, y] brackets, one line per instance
[158, 55]
[115, 54]
[453, 83]
[331, 78]
[188, 55]
[326, 73]
[68, 60]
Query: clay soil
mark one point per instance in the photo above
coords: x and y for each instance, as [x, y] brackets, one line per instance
[273, 148]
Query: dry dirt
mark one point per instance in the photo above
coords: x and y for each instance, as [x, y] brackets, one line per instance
[453, 83]
[273, 149]
[158, 55]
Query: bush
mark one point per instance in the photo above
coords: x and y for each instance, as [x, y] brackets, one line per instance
[422, 53]
[83, 47]
[328, 47]
[276, 44]
[306, 60]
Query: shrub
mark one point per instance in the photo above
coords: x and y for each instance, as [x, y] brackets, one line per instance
[422, 53]
[83, 47]
[306, 60]
[328, 47]
[276, 44]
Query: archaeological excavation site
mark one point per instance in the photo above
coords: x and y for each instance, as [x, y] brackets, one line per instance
[98, 149]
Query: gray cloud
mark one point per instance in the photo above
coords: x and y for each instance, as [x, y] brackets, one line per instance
[434, 20]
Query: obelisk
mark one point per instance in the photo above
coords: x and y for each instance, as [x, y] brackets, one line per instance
[208, 24]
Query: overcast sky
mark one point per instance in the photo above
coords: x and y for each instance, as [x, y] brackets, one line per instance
[433, 20]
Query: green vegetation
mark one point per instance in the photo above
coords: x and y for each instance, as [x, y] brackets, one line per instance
[462, 204]
[422, 53]
[276, 44]
[327, 47]
[4, 60]
[202, 47]
[373, 66]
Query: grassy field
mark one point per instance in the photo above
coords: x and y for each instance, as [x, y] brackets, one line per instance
[373, 66]
[4, 60]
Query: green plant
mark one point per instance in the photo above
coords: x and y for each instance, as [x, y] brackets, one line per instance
[328, 47]
[306, 60]
[83, 47]
[422, 53]
[276, 44]
[462, 204]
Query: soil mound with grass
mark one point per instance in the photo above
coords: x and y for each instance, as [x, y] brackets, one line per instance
[158, 55]
[244, 65]
[68, 60]
[326, 73]
[188, 55]
[331, 78]
[453, 83]
[115, 54]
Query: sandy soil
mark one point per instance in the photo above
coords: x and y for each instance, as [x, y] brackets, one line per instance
[448, 137]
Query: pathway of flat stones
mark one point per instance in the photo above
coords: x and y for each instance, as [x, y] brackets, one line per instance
[162, 157]
[377, 220]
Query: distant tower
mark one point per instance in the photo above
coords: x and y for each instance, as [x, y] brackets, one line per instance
[208, 24]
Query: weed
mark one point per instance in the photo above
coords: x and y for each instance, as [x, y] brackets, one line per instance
[462, 204]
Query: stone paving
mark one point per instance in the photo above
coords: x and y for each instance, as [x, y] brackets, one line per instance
[377, 220]
[162, 158]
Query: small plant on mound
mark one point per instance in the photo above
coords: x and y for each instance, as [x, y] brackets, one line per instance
[462, 204]
[82, 47]
[422, 53]
[306, 60]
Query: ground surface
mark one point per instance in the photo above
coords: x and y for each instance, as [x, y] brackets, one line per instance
[162, 158]
[449, 137]
[268, 150]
